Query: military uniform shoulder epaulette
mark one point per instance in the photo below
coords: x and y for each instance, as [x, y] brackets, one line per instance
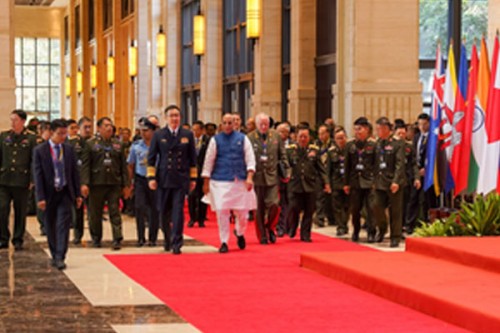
[27, 131]
[74, 137]
[370, 139]
[291, 146]
[350, 140]
[313, 146]
[333, 147]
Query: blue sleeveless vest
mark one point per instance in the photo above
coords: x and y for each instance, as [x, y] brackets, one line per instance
[230, 160]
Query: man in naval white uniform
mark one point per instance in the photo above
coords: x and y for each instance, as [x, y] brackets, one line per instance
[228, 180]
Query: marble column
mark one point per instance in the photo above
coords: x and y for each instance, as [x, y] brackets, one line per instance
[210, 107]
[302, 94]
[143, 82]
[7, 78]
[378, 60]
[172, 72]
[267, 66]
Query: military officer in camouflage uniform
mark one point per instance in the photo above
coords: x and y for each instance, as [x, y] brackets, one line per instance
[16, 147]
[104, 174]
[324, 211]
[269, 154]
[389, 181]
[77, 142]
[358, 180]
[336, 172]
[307, 169]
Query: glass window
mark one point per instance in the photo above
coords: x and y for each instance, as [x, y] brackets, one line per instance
[433, 27]
[38, 75]
[107, 15]
[91, 24]
[474, 21]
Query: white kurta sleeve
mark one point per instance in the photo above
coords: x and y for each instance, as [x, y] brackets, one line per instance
[249, 155]
[209, 163]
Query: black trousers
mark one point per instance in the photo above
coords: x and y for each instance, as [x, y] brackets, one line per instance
[340, 206]
[19, 196]
[57, 221]
[171, 209]
[301, 202]
[360, 198]
[418, 206]
[197, 209]
[145, 206]
[282, 220]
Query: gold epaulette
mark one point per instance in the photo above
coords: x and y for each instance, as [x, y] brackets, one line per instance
[193, 172]
[312, 146]
[332, 148]
[371, 139]
[150, 172]
[291, 146]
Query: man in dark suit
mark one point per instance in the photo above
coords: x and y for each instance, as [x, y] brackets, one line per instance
[198, 209]
[57, 185]
[419, 197]
[173, 153]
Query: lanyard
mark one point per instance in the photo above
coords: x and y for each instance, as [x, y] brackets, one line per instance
[54, 157]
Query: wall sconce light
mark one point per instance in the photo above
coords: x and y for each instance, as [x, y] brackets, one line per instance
[67, 85]
[111, 69]
[132, 60]
[253, 19]
[199, 35]
[93, 76]
[161, 48]
[79, 81]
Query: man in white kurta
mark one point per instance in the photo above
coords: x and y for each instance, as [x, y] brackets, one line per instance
[228, 180]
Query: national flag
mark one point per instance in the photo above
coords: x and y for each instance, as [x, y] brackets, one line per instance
[493, 114]
[431, 170]
[460, 149]
[485, 172]
[450, 88]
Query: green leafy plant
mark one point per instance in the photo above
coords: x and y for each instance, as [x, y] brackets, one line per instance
[479, 218]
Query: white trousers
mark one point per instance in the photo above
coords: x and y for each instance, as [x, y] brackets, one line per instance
[241, 222]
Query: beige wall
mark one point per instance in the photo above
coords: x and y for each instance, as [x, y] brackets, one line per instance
[33, 21]
[7, 80]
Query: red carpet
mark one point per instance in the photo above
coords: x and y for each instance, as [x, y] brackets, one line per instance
[263, 289]
[480, 252]
[457, 293]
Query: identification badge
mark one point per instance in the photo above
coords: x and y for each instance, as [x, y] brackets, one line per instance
[144, 161]
[263, 158]
[360, 167]
[383, 165]
[107, 162]
[79, 163]
[57, 181]
[342, 171]
[184, 140]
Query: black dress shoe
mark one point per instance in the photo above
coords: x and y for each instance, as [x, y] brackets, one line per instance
[272, 237]
[292, 234]
[371, 238]
[190, 224]
[60, 265]
[96, 245]
[264, 241]
[241, 242]
[152, 244]
[281, 233]
[223, 248]
[18, 247]
[201, 224]
[394, 243]
[380, 237]
[166, 246]
[116, 245]
[140, 243]
[341, 232]
[355, 237]
[306, 239]
[77, 241]
[176, 250]
[4, 246]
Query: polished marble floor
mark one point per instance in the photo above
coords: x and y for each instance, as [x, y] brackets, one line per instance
[91, 295]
